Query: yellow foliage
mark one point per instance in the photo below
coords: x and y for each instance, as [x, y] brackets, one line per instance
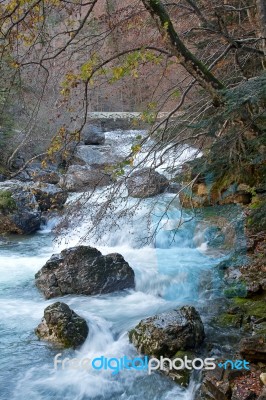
[86, 70]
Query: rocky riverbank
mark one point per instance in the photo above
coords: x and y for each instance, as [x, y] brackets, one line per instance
[241, 313]
[243, 317]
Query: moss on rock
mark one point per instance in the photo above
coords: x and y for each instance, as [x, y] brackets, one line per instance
[62, 326]
[237, 290]
[226, 320]
[7, 203]
[181, 376]
[257, 218]
[254, 307]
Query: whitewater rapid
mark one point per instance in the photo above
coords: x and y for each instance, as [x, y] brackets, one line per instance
[168, 273]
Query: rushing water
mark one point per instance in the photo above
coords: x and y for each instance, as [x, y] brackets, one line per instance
[168, 273]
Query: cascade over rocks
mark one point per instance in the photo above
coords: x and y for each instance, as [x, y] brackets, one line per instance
[84, 270]
[62, 326]
[146, 183]
[167, 333]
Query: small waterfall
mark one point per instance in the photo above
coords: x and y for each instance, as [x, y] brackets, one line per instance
[169, 272]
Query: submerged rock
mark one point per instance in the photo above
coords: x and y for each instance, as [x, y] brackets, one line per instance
[19, 210]
[146, 183]
[167, 333]
[62, 326]
[84, 270]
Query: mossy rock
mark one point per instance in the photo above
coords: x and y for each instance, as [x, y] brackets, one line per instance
[260, 329]
[226, 320]
[182, 376]
[19, 211]
[254, 307]
[249, 175]
[62, 326]
[166, 333]
[246, 313]
[257, 218]
[7, 203]
[237, 290]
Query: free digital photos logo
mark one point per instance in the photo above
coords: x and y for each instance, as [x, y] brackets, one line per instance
[116, 365]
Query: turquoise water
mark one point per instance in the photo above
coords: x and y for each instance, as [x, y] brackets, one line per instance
[176, 267]
[169, 273]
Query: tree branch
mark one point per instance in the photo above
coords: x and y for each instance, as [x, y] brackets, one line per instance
[187, 59]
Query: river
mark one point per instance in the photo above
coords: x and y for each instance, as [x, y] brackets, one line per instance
[169, 272]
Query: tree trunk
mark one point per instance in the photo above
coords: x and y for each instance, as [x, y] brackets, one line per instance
[261, 15]
[187, 59]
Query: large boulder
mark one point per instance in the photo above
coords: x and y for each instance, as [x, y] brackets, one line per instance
[49, 196]
[146, 183]
[84, 178]
[93, 135]
[84, 270]
[62, 326]
[19, 210]
[167, 333]
[97, 155]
